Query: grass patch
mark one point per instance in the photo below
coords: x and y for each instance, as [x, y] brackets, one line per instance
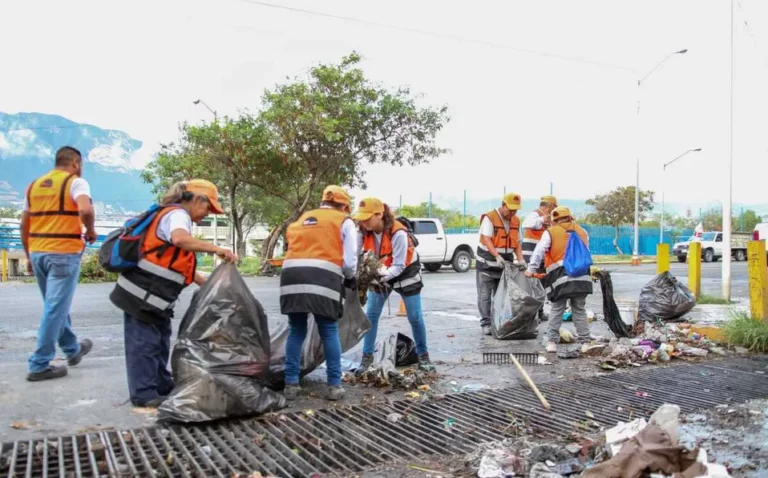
[710, 299]
[92, 272]
[249, 266]
[747, 332]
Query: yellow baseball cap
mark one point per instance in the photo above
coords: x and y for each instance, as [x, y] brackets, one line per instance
[207, 189]
[336, 194]
[549, 200]
[561, 212]
[367, 208]
[512, 200]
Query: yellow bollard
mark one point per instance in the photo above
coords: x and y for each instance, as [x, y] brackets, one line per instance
[662, 258]
[694, 268]
[758, 279]
[4, 265]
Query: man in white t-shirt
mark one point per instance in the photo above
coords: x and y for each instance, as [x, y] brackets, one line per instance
[56, 207]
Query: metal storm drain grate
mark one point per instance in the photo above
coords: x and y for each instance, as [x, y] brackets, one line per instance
[350, 439]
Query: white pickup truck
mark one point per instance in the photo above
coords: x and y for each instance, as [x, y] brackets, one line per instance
[712, 246]
[436, 248]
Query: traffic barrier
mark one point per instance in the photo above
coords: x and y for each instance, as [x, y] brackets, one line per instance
[662, 258]
[401, 310]
[758, 279]
[694, 268]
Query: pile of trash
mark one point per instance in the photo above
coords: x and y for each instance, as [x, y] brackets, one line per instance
[368, 267]
[523, 458]
[392, 354]
[658, 343]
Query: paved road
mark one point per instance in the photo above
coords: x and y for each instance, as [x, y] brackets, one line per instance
[95, 392]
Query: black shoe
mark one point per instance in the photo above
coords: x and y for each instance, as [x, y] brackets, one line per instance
[85, 346]
[486, 330]
[425, 364]
[52, 372]
[154, 403]
[543, 317]
[365, 364]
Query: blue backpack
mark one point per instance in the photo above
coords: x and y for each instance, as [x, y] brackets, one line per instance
[121, 250]
[577, 259]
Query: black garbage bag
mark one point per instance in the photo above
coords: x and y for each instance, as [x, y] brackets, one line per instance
[221, 356]
[665, 298]
[610, 309]
[405, 354]
[352, 328]
[516, 305]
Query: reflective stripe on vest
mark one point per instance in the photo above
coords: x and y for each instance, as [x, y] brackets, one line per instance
[151, 289]
[504, 242]
[531, 238]
[558, 284]
[311, 278]
[54, 218]
[409, 281]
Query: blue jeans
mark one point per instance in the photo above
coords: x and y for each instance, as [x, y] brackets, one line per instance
[57, 276]
[415, 317]
[329, 334]
[147, 348]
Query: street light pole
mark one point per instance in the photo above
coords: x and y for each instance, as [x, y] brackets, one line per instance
[636, 248]
[726, 270]
[663, 187]
[215, 223]
[201, 102]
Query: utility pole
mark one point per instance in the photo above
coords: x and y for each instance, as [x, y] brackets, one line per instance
[726, 270]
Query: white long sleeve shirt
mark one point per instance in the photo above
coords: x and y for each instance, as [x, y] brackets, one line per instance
[533, 221]
[538, 254]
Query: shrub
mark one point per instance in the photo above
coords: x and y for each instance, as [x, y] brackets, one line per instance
[747, 332]
[91, 270]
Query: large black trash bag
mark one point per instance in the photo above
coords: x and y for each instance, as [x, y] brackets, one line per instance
[516, 305]
[610, 309]
[666, 299]
[352, 328]
[221, 356]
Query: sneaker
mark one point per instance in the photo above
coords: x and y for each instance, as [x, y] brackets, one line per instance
[425, 364]
[53, 371]
[551, 347]
[85, 346]
[365, 364]
[154, 403]
[335, 393]
[486, 330]
[291, 392]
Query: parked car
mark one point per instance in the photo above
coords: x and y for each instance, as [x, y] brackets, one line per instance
[712, 246]
[436, 248]
[680, 249]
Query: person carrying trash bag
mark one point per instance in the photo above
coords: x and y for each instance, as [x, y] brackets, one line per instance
[534, 225]
[564, 248]
[391, 242]
[147, 292]
[499, 243]
[320, 263]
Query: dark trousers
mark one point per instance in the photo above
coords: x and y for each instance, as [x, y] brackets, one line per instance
[486, 289]
[147, 349]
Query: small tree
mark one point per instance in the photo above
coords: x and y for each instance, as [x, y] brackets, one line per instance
[617, 208]
[450, 218]
[9, 213]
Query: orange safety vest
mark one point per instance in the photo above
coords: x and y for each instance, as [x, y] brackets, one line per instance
[558, 284]
[150, 290]
[311, 280]
[504, 242]
[54, 218]
[409, 281]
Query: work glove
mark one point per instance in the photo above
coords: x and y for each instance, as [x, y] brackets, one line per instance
[501, 261]
[382, 271]
[522, 266]
[351, 283]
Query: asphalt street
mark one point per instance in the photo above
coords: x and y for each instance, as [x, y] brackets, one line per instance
[94, 394]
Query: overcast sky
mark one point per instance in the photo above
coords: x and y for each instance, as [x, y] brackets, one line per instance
[520, 119]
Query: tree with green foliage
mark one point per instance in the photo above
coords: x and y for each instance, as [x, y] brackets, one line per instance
[213, 151]
[617, 208]
[450, 218]
[325, 128]
[712, 220]
[10, 213]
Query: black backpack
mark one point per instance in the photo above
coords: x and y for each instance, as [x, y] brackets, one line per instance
[409, 227]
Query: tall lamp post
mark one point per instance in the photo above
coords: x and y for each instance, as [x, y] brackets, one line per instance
[635, 250]
[726, 270]
[663, 184]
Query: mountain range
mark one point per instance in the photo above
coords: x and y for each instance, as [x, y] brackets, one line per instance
[28, 143]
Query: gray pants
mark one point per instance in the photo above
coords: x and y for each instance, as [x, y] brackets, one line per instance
[578, 315]
[486, 288]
